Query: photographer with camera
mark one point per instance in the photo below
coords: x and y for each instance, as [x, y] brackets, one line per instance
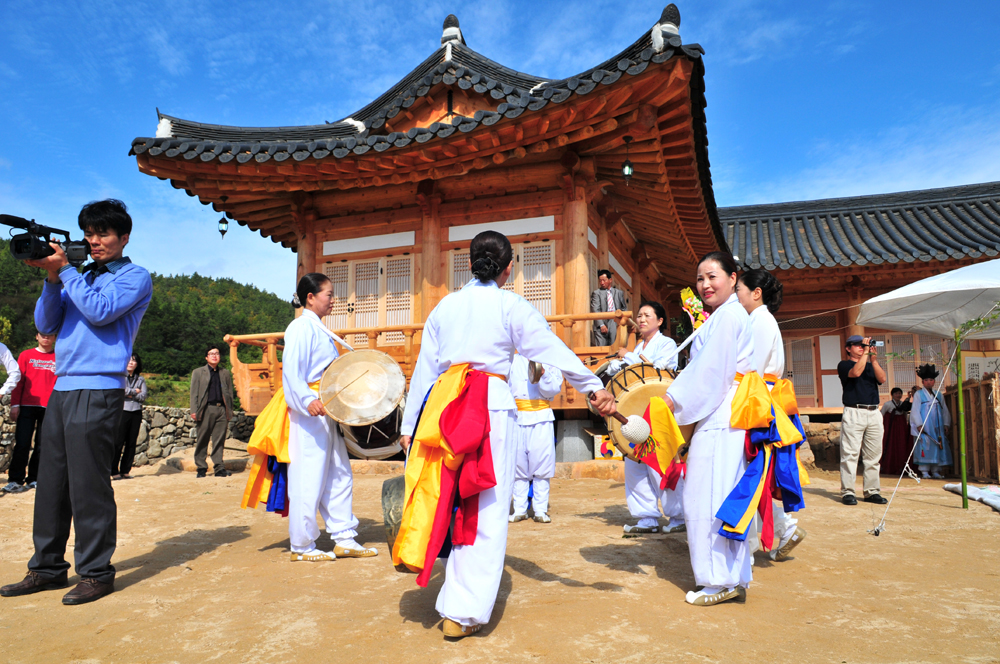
[861, 428]
[96, 314]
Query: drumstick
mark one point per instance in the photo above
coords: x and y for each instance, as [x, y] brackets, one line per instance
[344, 388]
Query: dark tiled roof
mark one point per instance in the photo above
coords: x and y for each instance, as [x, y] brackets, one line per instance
[934, 224]
[453, 64]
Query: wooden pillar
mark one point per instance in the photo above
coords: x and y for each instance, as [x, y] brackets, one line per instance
[306, 250]
[576, 274]
[854, 300]
[602, 243]
[431, 287]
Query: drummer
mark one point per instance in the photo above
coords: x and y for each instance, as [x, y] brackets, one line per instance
[703, 395]
[319, 470]
[534, 435]
[469, 339]
[642, 483]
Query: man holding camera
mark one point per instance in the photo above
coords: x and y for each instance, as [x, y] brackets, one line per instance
[861, 429]
[96, 314]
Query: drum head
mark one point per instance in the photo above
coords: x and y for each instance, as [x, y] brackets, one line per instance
[633, 387]
[362, 387]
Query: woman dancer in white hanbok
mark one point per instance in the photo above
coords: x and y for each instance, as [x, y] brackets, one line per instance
[483, 325]
[760, 294]
[702, 395]
[642, 483]
[534, 437]
[319, 471]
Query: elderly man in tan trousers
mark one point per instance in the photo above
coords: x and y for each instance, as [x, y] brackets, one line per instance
[861, 429]
[211, 409]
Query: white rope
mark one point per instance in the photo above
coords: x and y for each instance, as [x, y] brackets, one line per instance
[878, 529]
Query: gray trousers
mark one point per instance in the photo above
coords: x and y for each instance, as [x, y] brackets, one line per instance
[860, 434]
[74, 484]
[212, 426]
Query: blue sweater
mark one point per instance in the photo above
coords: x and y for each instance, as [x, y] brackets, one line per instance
[96, 318]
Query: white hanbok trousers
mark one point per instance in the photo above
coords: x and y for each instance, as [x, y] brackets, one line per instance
[784, 525]
[642, 489]
[473, 572]
[319, 478]
[715, 464]
[536, 462]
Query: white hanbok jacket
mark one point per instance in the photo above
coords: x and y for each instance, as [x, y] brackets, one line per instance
[483, 326]
[723, 348]
[769, 351]
[660, 350]
[309, 350]
[548, 386]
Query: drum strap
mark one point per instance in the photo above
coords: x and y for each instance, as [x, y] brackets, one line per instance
[532, 405]
[336, 337]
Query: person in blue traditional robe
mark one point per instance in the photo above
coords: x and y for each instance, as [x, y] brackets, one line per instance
[929, 424]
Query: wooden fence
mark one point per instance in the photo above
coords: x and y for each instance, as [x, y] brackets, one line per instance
[982, 427]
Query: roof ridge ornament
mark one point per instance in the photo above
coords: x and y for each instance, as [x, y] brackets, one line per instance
[666, 32]
[452, 32]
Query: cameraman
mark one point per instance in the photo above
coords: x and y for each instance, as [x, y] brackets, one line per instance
[96, 314]
[861, 429]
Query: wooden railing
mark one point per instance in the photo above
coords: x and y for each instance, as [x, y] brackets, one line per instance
[257, 382]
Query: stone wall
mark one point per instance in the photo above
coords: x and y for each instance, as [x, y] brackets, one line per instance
[163, 432]
[824, 442]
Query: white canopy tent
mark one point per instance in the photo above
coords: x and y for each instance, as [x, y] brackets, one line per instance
[941, 306]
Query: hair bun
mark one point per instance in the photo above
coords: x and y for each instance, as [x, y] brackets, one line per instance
[295, 301]
[485, 269]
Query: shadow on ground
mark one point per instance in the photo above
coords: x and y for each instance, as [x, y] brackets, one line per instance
[174, 552]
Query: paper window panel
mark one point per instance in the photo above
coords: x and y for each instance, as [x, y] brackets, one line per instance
[901, 370]
[460, 272]
[536, 276]
[398, 296]
[366, 277]
[339, 278]
[799, 362]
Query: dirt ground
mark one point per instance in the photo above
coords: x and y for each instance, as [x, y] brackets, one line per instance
[200, 580]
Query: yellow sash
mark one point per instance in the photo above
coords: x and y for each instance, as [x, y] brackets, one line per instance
[269, 438]
[751, 403]
[532, 405]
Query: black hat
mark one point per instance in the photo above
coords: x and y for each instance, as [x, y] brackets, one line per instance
[927, 371]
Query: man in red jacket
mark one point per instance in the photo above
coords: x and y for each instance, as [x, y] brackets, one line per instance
[27, 408]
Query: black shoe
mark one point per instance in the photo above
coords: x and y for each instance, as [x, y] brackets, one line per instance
[223, 473]
[201, 472]
[876, 498]
[88, 590]
[849, 499]
[33, 583]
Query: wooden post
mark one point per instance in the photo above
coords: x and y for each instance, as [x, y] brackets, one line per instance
[305, 223]
[431, 277]
[854, 301]
[602, 243]
[576, 274]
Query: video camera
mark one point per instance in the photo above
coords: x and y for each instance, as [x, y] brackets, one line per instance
[876, 344]
[34, 244]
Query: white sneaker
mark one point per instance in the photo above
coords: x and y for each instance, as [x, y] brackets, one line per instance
[514, 518]
[936, 475]
[637, 529]
[925, 475]
[674, 527]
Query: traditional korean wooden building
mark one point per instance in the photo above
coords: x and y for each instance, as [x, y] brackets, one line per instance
[387, 200]
[831, 255]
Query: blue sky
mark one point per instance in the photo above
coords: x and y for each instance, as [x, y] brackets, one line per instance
[805, 99]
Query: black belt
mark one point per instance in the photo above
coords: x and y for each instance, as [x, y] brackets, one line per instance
[216, 403]
[862, 406]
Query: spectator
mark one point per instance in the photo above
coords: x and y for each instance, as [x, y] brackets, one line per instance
[27, 408]
[606, 298]
[896, 443]
[211, 409]
[13, 372]
[97, 313]
[861, 429]
[128, 430]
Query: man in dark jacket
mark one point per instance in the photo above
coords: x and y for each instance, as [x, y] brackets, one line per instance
[610, 299]
[211, 409]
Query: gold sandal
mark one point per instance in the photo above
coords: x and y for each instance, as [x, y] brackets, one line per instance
[314, 556]
[454, 630]
[341, 552]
